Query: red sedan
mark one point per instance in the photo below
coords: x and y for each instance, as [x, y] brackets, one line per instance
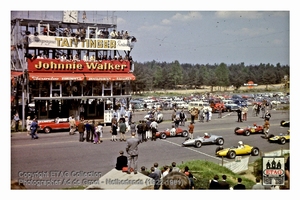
[56, 124]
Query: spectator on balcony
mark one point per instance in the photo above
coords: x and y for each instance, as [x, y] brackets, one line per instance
[63, 57]
[85, 57]
[66, 32]
[113, 34]
[40, 56]
[126, 35]
[92, 58]
[119, 35]
[76, 57]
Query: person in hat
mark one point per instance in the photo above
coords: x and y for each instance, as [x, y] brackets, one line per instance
[121, 161]
[28, 123]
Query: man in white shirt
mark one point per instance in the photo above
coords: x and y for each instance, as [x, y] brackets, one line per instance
[154, 126]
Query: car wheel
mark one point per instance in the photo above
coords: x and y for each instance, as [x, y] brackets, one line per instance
[237, 128]
[219, 149]
[47, 130]
[254, 151]
[247, 133]
[163, 136]
[281, 123]
[185, 133]
[231, 154]
[198, 144]
[282, 140]
[220, 141]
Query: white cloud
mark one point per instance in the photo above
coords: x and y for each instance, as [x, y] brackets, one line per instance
[239, 14]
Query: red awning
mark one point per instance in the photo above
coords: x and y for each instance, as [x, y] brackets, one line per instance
[109, 77]
[80, 76]
[56, 76]
[14, 74]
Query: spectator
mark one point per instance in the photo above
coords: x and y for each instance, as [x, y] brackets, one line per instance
[144, 171]
[33, 128]
[175, 168]
[126, 35]
[191, 130]
[214, 184]
[122, 127]
[154, 126]
[113, 34]
[155, 178]
[132, 150]
[166, 171]
[258, 185]
[28, 123]
[85, 57]
[266, 127]
[224, 185]
[99, 133]
[16, 120]
[157, 170]
[81, 129]
[239, 185]
[88, 131]
[287, 172]
[122, 161]
[190, 176]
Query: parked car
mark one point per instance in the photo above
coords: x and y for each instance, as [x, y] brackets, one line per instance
[233, 151]
[231, 107]
[204, 140]
[56, 124]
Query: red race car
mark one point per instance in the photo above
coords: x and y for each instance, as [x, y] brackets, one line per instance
[169, 133]
[56, 124]
[249, 130]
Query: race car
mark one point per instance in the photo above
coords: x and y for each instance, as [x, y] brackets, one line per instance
[158, 118]
[285, 123]
[203, 140]
[167, 133]
[56, 124]
[249, 130]
[232, 152]
[281, 138]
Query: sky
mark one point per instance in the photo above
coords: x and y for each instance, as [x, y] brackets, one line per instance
[209, 37]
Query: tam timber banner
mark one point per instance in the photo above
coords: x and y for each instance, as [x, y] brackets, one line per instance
[74, 43]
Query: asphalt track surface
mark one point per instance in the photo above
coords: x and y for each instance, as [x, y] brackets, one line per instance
[58, 160]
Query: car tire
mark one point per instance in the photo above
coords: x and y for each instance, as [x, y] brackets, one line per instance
[47, 129]
[237, 128]
[231, 154]
[281, 123]
[198, 144]
[282, 140]
[163, 136]
[247, 133]
[220, 141]
[185, 133]
[255, 151]
[219, 149]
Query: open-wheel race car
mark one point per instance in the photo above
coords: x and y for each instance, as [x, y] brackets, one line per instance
[281, 138]
[56, 124]
[285, 123]
[234, 151]
[249, 130]
[169, 133]
[204, 140]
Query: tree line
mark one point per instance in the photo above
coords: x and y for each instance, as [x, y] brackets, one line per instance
[161, 75]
